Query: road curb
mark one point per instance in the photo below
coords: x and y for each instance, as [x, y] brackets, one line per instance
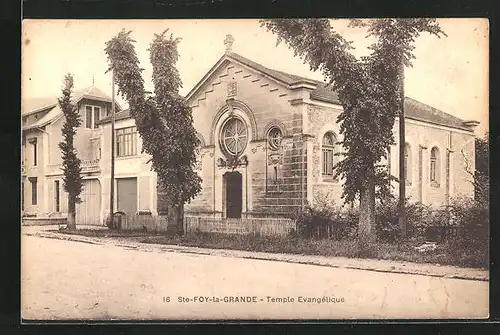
[334, 262]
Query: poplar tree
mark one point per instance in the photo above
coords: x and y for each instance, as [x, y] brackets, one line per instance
[163, 119]
[370, 90]
[72, 180]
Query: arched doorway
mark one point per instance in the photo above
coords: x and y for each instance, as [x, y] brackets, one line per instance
[233, 194]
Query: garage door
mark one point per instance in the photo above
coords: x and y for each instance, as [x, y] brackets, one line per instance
[88, 212]
[126, 189]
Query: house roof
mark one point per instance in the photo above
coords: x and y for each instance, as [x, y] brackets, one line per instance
[53, 113]
[419, 111]
[122, 115]
[32, 106]
[414, 109]
[320, 91]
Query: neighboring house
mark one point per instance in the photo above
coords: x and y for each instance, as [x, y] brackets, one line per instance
[268, 146]
[135, 182]
[43, 195]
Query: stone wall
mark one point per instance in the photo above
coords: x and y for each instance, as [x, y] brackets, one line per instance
[285, 194]
[321, 120]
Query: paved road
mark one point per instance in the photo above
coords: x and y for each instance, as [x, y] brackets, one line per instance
[71, 280]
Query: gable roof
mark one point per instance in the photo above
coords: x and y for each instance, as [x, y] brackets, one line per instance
[320, 91]
[32, 106]
[284, 78]
[287, 78]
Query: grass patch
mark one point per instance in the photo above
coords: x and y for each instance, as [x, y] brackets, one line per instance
[445, 254]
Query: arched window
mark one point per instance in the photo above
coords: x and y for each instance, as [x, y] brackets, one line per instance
[274, 137]
[329, 150]
[234, 136]
[407, 163]
[435, 167]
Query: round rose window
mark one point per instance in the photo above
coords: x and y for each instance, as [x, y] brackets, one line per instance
[274, 139]
[234, 136]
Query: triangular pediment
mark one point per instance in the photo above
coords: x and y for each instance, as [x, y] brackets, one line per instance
[231, 63]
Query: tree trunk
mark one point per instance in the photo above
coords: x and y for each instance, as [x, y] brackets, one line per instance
[366, 228]
[71, 222]
[176, 217]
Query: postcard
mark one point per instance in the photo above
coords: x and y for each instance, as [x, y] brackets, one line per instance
[245, 169]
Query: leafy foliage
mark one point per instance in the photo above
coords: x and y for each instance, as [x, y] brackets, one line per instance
[482, 172]
[327, 221]
[164, 120]
[369, 89]
[418, 218]
[73, 183]
[472, 218]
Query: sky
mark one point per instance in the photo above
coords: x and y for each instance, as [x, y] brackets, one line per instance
[449, 73]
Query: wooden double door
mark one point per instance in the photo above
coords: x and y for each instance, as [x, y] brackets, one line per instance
[88, 212]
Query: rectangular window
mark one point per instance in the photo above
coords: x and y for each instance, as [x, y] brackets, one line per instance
[97, 116]
[58, 196]
[34, 190]
[88, 117]
[328, 162]
[35, 154]
[33, 142]
[433, 170]
[92, 116]
[126, 142]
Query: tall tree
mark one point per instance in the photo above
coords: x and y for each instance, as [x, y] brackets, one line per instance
[164, 120]
[369, 90]
[73, 183]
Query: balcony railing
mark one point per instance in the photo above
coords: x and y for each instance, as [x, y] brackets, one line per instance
[86, 165]
[90, 165]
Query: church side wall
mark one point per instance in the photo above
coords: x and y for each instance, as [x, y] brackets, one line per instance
[455, 152]
[454, 148]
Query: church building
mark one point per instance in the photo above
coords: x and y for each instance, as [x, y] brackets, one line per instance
[269, 143]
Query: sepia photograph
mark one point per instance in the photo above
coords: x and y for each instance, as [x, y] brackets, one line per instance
[246, 169]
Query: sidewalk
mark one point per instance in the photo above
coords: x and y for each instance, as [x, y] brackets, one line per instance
[336, 262]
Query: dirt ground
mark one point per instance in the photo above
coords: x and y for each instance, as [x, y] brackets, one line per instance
[74, 280]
